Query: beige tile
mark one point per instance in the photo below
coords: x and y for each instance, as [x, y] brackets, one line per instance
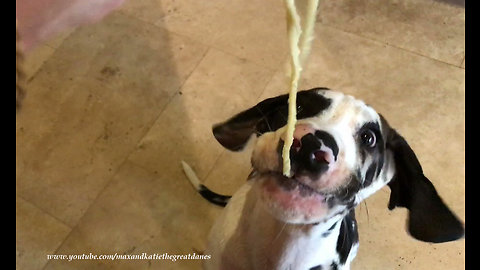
[37, 235]
[241, 28]
[426, 27]
[140, 212]
[219, 87]
[463, 63]
[73, 134]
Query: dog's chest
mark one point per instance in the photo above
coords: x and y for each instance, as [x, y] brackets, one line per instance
[298, 250]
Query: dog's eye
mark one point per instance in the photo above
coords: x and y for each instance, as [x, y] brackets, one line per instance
[368, 138]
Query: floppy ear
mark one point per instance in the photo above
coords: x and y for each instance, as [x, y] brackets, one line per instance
[429, 219]
[268, 115]
[234, 133]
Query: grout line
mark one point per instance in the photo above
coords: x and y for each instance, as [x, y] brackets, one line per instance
[55, 218]
[213, 166]
[45, 211]
[40, 68]
[389, 45]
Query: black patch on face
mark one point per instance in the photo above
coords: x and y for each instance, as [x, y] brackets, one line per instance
[346, 194]
[318, 267]
[370, 174]
[329, 141]
[334, 266]
[274, 111]
[376, 153]
[348, 236]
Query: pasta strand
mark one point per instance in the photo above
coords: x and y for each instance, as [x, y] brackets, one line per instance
[299, 49]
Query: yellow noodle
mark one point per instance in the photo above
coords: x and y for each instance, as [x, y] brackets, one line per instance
[298, 52]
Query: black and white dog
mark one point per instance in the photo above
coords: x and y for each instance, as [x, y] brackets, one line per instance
[343, 151]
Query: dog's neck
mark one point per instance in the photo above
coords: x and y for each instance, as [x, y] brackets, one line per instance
[278, 245]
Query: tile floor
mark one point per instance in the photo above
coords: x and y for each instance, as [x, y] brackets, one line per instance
[113, 107]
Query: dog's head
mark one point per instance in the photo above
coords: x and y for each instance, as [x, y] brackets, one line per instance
[343, 151]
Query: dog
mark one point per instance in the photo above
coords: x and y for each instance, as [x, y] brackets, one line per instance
[343, 151]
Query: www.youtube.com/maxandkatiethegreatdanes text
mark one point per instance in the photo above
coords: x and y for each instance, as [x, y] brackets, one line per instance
[116, 256]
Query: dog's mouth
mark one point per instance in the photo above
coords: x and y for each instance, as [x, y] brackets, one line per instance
[292, 201]
[293, 184]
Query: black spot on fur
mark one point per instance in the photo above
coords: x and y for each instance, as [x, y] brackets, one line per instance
[329, 230]
[333, 266]
[348, 236]
[318, 267]
[213, 197]
[370, 174]
[328, 141]
[376, 153]
[332, 227]
[346, 195]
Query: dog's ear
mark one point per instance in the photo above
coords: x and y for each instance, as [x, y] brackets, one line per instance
[234, 133]
[429, 219]
[268, 115]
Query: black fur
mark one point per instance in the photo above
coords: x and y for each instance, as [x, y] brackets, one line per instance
[213, 197]
[348, 236]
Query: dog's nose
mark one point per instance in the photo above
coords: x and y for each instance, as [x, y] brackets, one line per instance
[313, 153]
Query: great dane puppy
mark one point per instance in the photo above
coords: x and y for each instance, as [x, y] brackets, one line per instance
[343, 152]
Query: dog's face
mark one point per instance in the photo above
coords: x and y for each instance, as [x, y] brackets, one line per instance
[338, 158]
[343, 151]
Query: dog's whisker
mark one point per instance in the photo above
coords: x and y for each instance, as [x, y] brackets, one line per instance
[366, 210]
[264, 117]
[279, 233]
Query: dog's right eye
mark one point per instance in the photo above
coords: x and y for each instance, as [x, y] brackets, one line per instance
[368, 138]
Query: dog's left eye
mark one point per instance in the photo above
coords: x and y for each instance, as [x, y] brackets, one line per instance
[368, 138]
